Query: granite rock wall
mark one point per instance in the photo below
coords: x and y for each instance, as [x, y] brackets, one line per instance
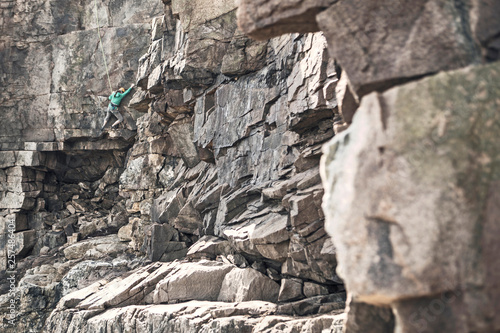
[411, 184]
[205, 210]
[208, 193]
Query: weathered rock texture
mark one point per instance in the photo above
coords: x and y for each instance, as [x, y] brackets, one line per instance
[53, 96]
[203, 211]
[427, 226]
[411, 188]
[58, 174]
[214, 173]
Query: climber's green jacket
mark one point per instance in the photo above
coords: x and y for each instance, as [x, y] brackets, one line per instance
[116, 97]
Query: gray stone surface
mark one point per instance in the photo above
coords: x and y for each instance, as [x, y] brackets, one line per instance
[192, 281]
[95, 248]
[208, 247]
[425, 37]
[291, 290]
[247, 284]
[348, 101]
[486, 27]
[414, 237]
[265, 19]
[194, 316]
[218, 152]
[362, 317]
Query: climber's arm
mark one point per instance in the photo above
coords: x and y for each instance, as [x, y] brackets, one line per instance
[128, 90]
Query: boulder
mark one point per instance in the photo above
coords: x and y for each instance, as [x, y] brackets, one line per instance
[424, 37]
[290, 290]
[87, 272]
[271, 236]
[73, 299]
[208, 247]
[247, 284]
[313, 289]
[347, 99]
[192, 281]
[161, 237]
[304, 210]
[91, 227]
[309, 306]
[167, 206]
[95, 248]
[118, 292]
[189, 220]
[124, 291]
[175, 251]
[266, 19]
[125, 233]
[416, 234]
[54, 239]
[142, 173]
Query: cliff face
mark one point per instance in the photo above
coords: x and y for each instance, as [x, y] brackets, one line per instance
[209, 193]
[411, 187]
[203, 211]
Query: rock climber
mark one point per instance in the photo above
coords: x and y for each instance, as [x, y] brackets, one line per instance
[115, 99]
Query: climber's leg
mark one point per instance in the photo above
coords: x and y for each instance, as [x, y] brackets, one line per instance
[108, 115]
[117, 115]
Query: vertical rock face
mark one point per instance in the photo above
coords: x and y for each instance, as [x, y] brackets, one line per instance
[210, 192]
[416, 234]
[246, 120]
[411, 186]
[217, 162]
[54, 94]
[54, 76]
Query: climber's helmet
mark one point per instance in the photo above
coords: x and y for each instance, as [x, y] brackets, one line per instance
[122, 90]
